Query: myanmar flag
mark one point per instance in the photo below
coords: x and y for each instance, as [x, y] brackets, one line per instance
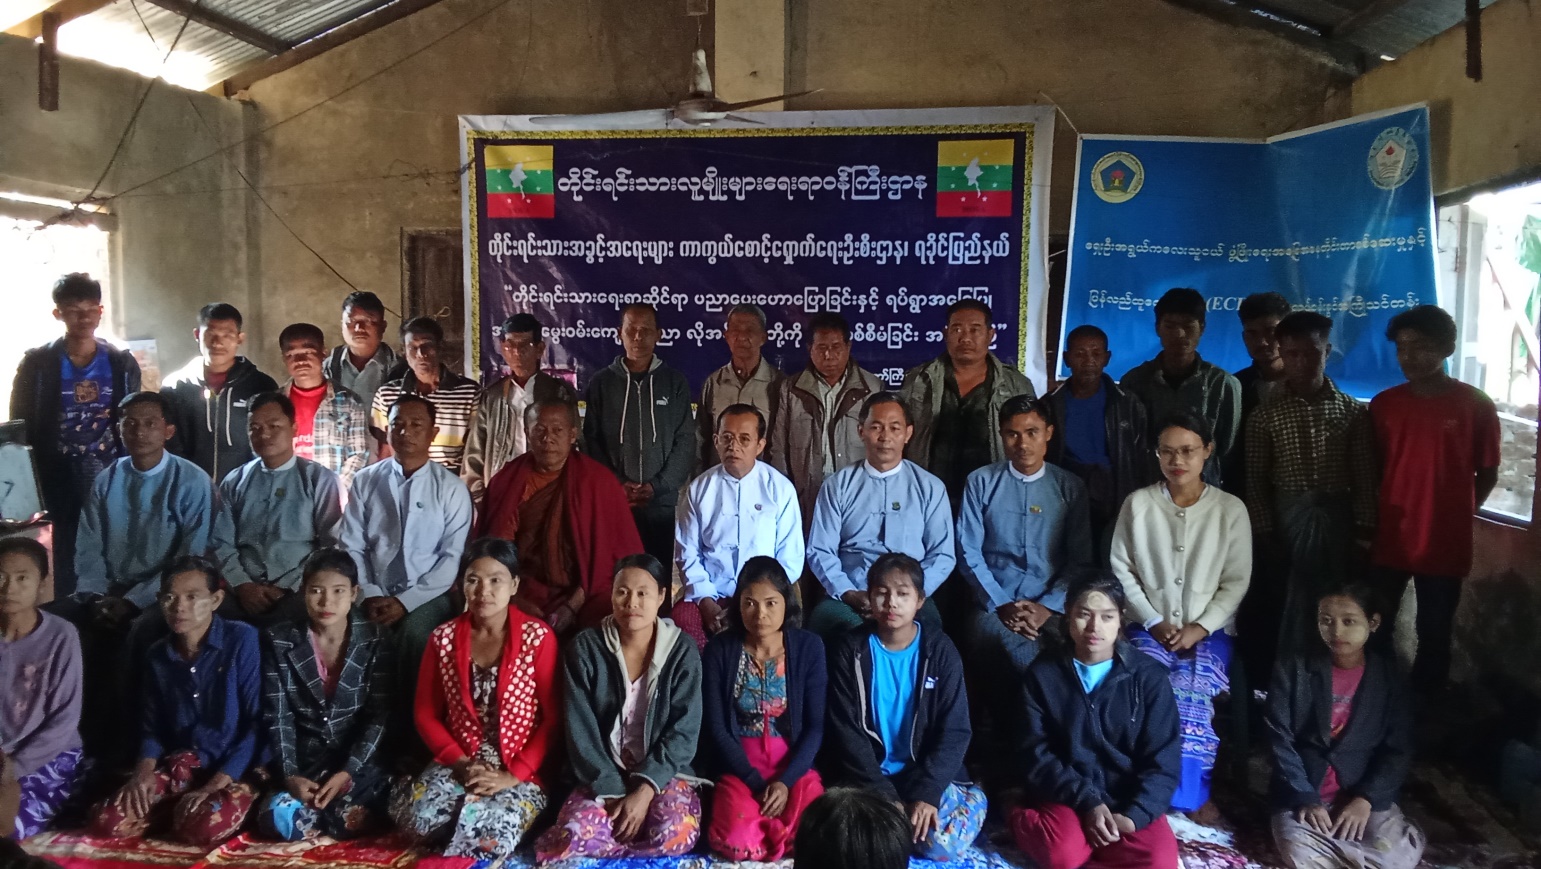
[519, 181]
[973, 178]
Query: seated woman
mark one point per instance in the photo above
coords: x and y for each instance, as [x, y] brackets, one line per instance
[1183, 551]
[1340, 729]
[40, 679]
[1102, 751]
[763, 685]
[487, 709]
[327, 682]
[633, 688]
[202, 713]
[898, 714]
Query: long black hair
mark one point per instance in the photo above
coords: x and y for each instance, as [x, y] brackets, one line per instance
[763, 568]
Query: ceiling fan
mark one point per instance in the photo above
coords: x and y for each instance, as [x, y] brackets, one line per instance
[701, 108]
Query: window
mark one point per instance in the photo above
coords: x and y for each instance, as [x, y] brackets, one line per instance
[1490, 270]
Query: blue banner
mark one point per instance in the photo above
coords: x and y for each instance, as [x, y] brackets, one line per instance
[1337, 219]
[887, 221]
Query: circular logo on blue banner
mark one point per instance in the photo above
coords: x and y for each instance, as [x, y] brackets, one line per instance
[1117, 177]
[1393, 158]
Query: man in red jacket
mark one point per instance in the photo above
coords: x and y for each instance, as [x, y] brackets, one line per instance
[568, 517]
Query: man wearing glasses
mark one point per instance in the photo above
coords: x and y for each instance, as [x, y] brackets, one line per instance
[739, 509]
[497, 434]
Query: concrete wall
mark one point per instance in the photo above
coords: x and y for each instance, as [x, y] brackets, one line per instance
[180, 242]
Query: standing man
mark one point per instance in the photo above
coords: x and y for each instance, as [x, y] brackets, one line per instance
[816, 429]
[1179, 381]
[211, 395]
[746, 379]
[1101, 433]
[407, 519]
[957, 397]
[452, 396]
[737, 510]
[639, 425]
[884, 504]
[1260, 314]
[67, 393]
[363, 362]
[331, 424]
[497, 421]
[1439, 444]
[273, 512]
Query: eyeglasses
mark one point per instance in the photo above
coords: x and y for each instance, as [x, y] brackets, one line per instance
[1167, 454]
[728, 439]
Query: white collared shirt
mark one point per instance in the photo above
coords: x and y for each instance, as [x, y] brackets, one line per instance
[724, 521]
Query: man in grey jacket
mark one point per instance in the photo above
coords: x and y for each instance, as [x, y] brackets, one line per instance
[497, 434]
[640, 425]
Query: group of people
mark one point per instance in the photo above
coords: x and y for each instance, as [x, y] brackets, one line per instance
[280, 580]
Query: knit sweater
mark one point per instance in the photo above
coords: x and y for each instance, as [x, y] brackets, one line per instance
[1183, 565]
[807, 680]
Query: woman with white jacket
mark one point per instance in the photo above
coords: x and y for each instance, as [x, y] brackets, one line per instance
[1183, 551]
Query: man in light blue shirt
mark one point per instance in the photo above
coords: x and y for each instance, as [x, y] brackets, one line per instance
[274, 511]
[735, 511]
[407, 519]
[884, 504]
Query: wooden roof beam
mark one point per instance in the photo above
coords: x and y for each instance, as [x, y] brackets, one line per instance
[67, 10]
[224, 24]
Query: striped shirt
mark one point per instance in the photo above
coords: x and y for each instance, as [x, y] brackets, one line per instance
[452, 405]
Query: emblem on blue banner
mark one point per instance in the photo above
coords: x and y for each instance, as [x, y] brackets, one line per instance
[1393, 158]
[1117, 177]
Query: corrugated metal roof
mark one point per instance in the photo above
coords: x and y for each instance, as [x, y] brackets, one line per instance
[116, 35]
[1391, 34]
[291, 20]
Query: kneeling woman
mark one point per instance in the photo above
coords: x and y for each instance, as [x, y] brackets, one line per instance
[202, 712]
[1341, 734]
[763, 692]
[898, 714]
[487, 709]
[40, 679]
[633, 689]
[327, 683]
[1102, 750]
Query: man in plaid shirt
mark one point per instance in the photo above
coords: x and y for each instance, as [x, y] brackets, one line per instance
[331, 424]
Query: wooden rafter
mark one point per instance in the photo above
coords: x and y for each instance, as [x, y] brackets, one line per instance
[67, 10]
[224, 24]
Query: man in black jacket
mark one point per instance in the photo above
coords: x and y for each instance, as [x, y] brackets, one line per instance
[210, 396]
[67, 394]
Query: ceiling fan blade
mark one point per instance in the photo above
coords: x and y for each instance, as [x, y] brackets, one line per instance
[744, 119]
[606, 121]
[749, 104]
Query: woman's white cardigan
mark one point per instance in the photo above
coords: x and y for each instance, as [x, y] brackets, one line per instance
[1183, 564]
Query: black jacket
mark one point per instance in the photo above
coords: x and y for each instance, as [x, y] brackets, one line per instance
[802, 724]
[1371, 755]
[1120, 745]
[939, 736]
[211, 427]
[1128, 439]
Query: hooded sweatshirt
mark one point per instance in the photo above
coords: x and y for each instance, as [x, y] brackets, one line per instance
[211, 426]
[640, 426]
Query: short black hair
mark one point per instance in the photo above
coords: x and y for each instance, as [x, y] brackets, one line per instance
[77, 287]
[407, 398]
[763, 568]
[1361, 593]
[423, 326]
[332, 559]
[495, 548]
[643, 561]
[967, 305]
[1430, 321]
[851, 828]
[302, 333]
[1192, 422]
[363, 300]
[891, 562]
[1082, 581]
[134, 399]
[1024, 403]
[743, 409]
[1182, 302]
[878, 398]
[641, 308]
[1260, 305]
[1086, 330]
[829, 321]
[193, 564]
[263, 399]
[521, 323]
[28, 547]
[220, 311]
[1304, 324]
[533, 409]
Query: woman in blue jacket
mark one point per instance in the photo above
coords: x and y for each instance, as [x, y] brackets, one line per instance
[763, 685]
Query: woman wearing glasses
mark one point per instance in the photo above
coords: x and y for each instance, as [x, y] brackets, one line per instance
[1183, 551]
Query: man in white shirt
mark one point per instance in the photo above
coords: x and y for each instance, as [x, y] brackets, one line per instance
[735, 511]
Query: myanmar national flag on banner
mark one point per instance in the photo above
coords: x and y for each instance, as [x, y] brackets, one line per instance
[519, 181]
[973, 178]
